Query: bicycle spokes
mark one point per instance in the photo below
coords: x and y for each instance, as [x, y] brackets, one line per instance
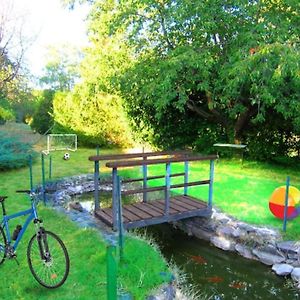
[48, 259]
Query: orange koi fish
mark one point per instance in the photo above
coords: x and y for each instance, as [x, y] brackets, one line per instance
[215, 279]
[237, 285]
[198, 259]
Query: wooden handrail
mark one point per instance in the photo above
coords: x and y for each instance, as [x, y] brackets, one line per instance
[163, 187]
[133, 163]
[151, 178]
[138, 155]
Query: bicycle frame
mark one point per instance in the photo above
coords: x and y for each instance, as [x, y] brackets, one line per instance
[32, 212]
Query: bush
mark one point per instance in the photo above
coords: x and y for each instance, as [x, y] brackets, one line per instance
[13, 152]
[97, 120]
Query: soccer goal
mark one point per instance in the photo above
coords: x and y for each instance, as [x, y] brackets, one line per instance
[61, 141]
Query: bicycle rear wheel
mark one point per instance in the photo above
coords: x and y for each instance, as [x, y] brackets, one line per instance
[2, 245]
[48, 259]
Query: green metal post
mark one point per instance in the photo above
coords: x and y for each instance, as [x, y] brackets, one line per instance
[115, 206]
[96, 181]
[43, 178]
[167, 191]
[120, 220]
[286, 203]
[111, 272]
[50, 166]
[30, 173]
[186, 177]
[145, 174]
[211, 183]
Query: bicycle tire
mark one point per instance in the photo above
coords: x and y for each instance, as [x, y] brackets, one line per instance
[3, 243]
[52, 273]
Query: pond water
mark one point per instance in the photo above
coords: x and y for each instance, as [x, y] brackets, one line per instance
[213, 272]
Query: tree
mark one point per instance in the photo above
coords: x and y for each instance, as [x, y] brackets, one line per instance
[43, 116]
[228, 63]
[15, 96]
[61, 71]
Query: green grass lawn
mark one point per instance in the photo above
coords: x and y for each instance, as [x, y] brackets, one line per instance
[139, 274]
[242, 191]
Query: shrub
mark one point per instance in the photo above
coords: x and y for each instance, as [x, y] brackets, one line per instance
[13, 152]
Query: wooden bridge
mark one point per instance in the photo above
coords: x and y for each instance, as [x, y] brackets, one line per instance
[170, 208]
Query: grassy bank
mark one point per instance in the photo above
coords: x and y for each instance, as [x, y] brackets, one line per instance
[139, 274]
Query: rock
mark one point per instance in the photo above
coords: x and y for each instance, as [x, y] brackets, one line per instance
[225, 230]
[244, 251]
[282, 269]
[268, 255]
[223, 243]
[296, 274]
[290, 248]
[202, 233]
[76, 206]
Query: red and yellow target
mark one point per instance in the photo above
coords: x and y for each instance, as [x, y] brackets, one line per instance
[277, 202]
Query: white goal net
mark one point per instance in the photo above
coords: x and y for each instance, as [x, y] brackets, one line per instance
[60, 141]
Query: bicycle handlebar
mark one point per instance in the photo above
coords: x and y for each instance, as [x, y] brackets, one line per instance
[23, 191]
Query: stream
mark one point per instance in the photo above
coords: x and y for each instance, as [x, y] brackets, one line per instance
[212, 272]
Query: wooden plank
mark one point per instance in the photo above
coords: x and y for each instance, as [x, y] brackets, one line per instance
[148, 209]
[129, 215]
[170, 218]
[183, 204]
[163, 187]
[188, 202]
[180, 208]
[159, 204]
[138, 155]
[194, 201]
[132, 163]
[104, 217]
[193, 183]
[141, 214]
[139, 191]
[151, 177]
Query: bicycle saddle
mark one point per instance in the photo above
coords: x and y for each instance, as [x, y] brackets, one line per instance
[2, 198]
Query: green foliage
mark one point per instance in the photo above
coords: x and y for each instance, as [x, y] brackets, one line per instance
[42, 118]
[61, 71]
[97, 119]
[13, 152]
[229, 65]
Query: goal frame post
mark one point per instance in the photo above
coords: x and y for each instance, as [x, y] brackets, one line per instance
[71, 147]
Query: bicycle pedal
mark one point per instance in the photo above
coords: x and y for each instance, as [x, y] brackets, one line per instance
[15, 259]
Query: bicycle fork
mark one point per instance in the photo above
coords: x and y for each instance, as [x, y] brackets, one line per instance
[43, 243]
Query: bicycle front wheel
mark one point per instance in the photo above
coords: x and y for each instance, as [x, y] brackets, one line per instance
[2, 245]
[48, 259]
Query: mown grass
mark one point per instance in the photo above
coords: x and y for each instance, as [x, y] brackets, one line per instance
[87, 280]
[242, 191]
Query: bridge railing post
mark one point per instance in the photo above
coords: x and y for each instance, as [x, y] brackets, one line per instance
[211, 183]
[115, 198]
[186, 177]
[96, 184]
[120, 218]
[168, 187]
[145, 175]
[286, 203]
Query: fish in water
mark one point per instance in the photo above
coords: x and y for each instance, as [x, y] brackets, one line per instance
[215, 279]
[237, 285]
[198, 259]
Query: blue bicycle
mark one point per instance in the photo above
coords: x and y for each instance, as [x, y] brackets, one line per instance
[47, 255]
